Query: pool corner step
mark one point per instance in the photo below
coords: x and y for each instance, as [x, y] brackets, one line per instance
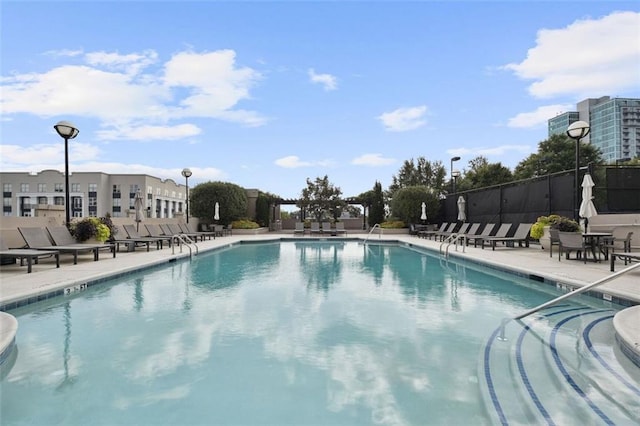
[542, 374]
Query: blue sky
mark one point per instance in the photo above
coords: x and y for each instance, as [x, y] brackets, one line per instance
[268, 94]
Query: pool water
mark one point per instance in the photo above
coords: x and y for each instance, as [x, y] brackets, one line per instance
[322, 333]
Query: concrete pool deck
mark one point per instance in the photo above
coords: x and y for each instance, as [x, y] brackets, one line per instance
[17, 287]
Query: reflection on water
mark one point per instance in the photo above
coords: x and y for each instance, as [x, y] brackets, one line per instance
[320, 263]
[292, 333]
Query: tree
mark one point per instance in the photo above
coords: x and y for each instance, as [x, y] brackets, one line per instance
[264, 207]
[556, 154]
[420, 173]
[481, 174]
[231, 198]
[376, 209]
[406, 205]
[321, 199]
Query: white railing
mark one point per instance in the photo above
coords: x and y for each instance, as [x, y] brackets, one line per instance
[181, 240]
[454, 239]
[377, 225]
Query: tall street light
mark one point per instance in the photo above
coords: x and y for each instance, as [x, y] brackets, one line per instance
[67, 131]
[187, 174]
[454, 176]
[577, 130]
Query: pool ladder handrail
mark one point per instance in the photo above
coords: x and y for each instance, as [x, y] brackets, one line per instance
[454, 239]
[566, 296]
[377, 225]
[183, 239]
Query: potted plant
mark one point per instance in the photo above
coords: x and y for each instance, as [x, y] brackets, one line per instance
[92, 228]
[540, 229]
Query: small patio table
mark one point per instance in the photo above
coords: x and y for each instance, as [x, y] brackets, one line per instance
[593, 239]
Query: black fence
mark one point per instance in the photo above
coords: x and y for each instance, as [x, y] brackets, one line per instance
[617, 190]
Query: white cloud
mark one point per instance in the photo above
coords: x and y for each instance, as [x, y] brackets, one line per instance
[118, 90]
[291, 162]
[540, 116]
[404, 119]
[84, 158]
[372, 160]
[18, 156]
[132, 63]
[587, 58]
[294, 162]
[147, 133]
[329, 81]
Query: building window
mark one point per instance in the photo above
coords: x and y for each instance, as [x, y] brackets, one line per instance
[43, 200]
[58, 201]
[75, 187]
[77, 202]
[6, 202]
[117, 203]
[116, 189]
[6, 187]
[42, 187]
[57, 187]
[24, 187]
[93, 187]
[93, 201]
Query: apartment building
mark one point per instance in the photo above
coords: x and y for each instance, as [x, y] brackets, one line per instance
[614, 122]
[91, 194]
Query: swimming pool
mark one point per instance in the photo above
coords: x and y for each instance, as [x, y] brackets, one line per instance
[325, 332]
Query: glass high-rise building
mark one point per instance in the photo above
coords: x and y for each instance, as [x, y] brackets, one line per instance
[615, 126]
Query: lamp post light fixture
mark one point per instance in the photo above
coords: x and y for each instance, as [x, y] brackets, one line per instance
[455, 174]
[67, 131]
[187, 174]
[453, 178]
[577, 130]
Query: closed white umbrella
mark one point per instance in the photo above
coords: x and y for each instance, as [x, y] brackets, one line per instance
[138, 205]
[424, 211]
[587, 208]
[216, 211]
[462, 216]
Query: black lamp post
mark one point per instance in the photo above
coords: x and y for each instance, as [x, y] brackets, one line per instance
[577, 130]
[187, 174]
[67, 131]
[454, 176]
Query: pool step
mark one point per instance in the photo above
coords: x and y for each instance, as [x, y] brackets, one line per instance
[562, 366]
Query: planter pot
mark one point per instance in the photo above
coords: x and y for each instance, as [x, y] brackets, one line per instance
[546, 238]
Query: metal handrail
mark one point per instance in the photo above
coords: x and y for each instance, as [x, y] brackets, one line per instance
[566, 296]
[453, 239]
[377, 225]
[181, 238]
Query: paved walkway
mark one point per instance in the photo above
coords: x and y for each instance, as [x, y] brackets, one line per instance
[17, 285]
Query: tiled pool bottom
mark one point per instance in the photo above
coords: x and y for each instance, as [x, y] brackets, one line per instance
[293, 333]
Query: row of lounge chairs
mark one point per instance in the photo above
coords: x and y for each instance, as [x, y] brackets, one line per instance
[567, 242]
[320, 229]
[52, 241]
[471, 233]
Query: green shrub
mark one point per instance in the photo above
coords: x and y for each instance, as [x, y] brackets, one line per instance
[561, 223]
[393, 224]
[244, 224]
[91, 227]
